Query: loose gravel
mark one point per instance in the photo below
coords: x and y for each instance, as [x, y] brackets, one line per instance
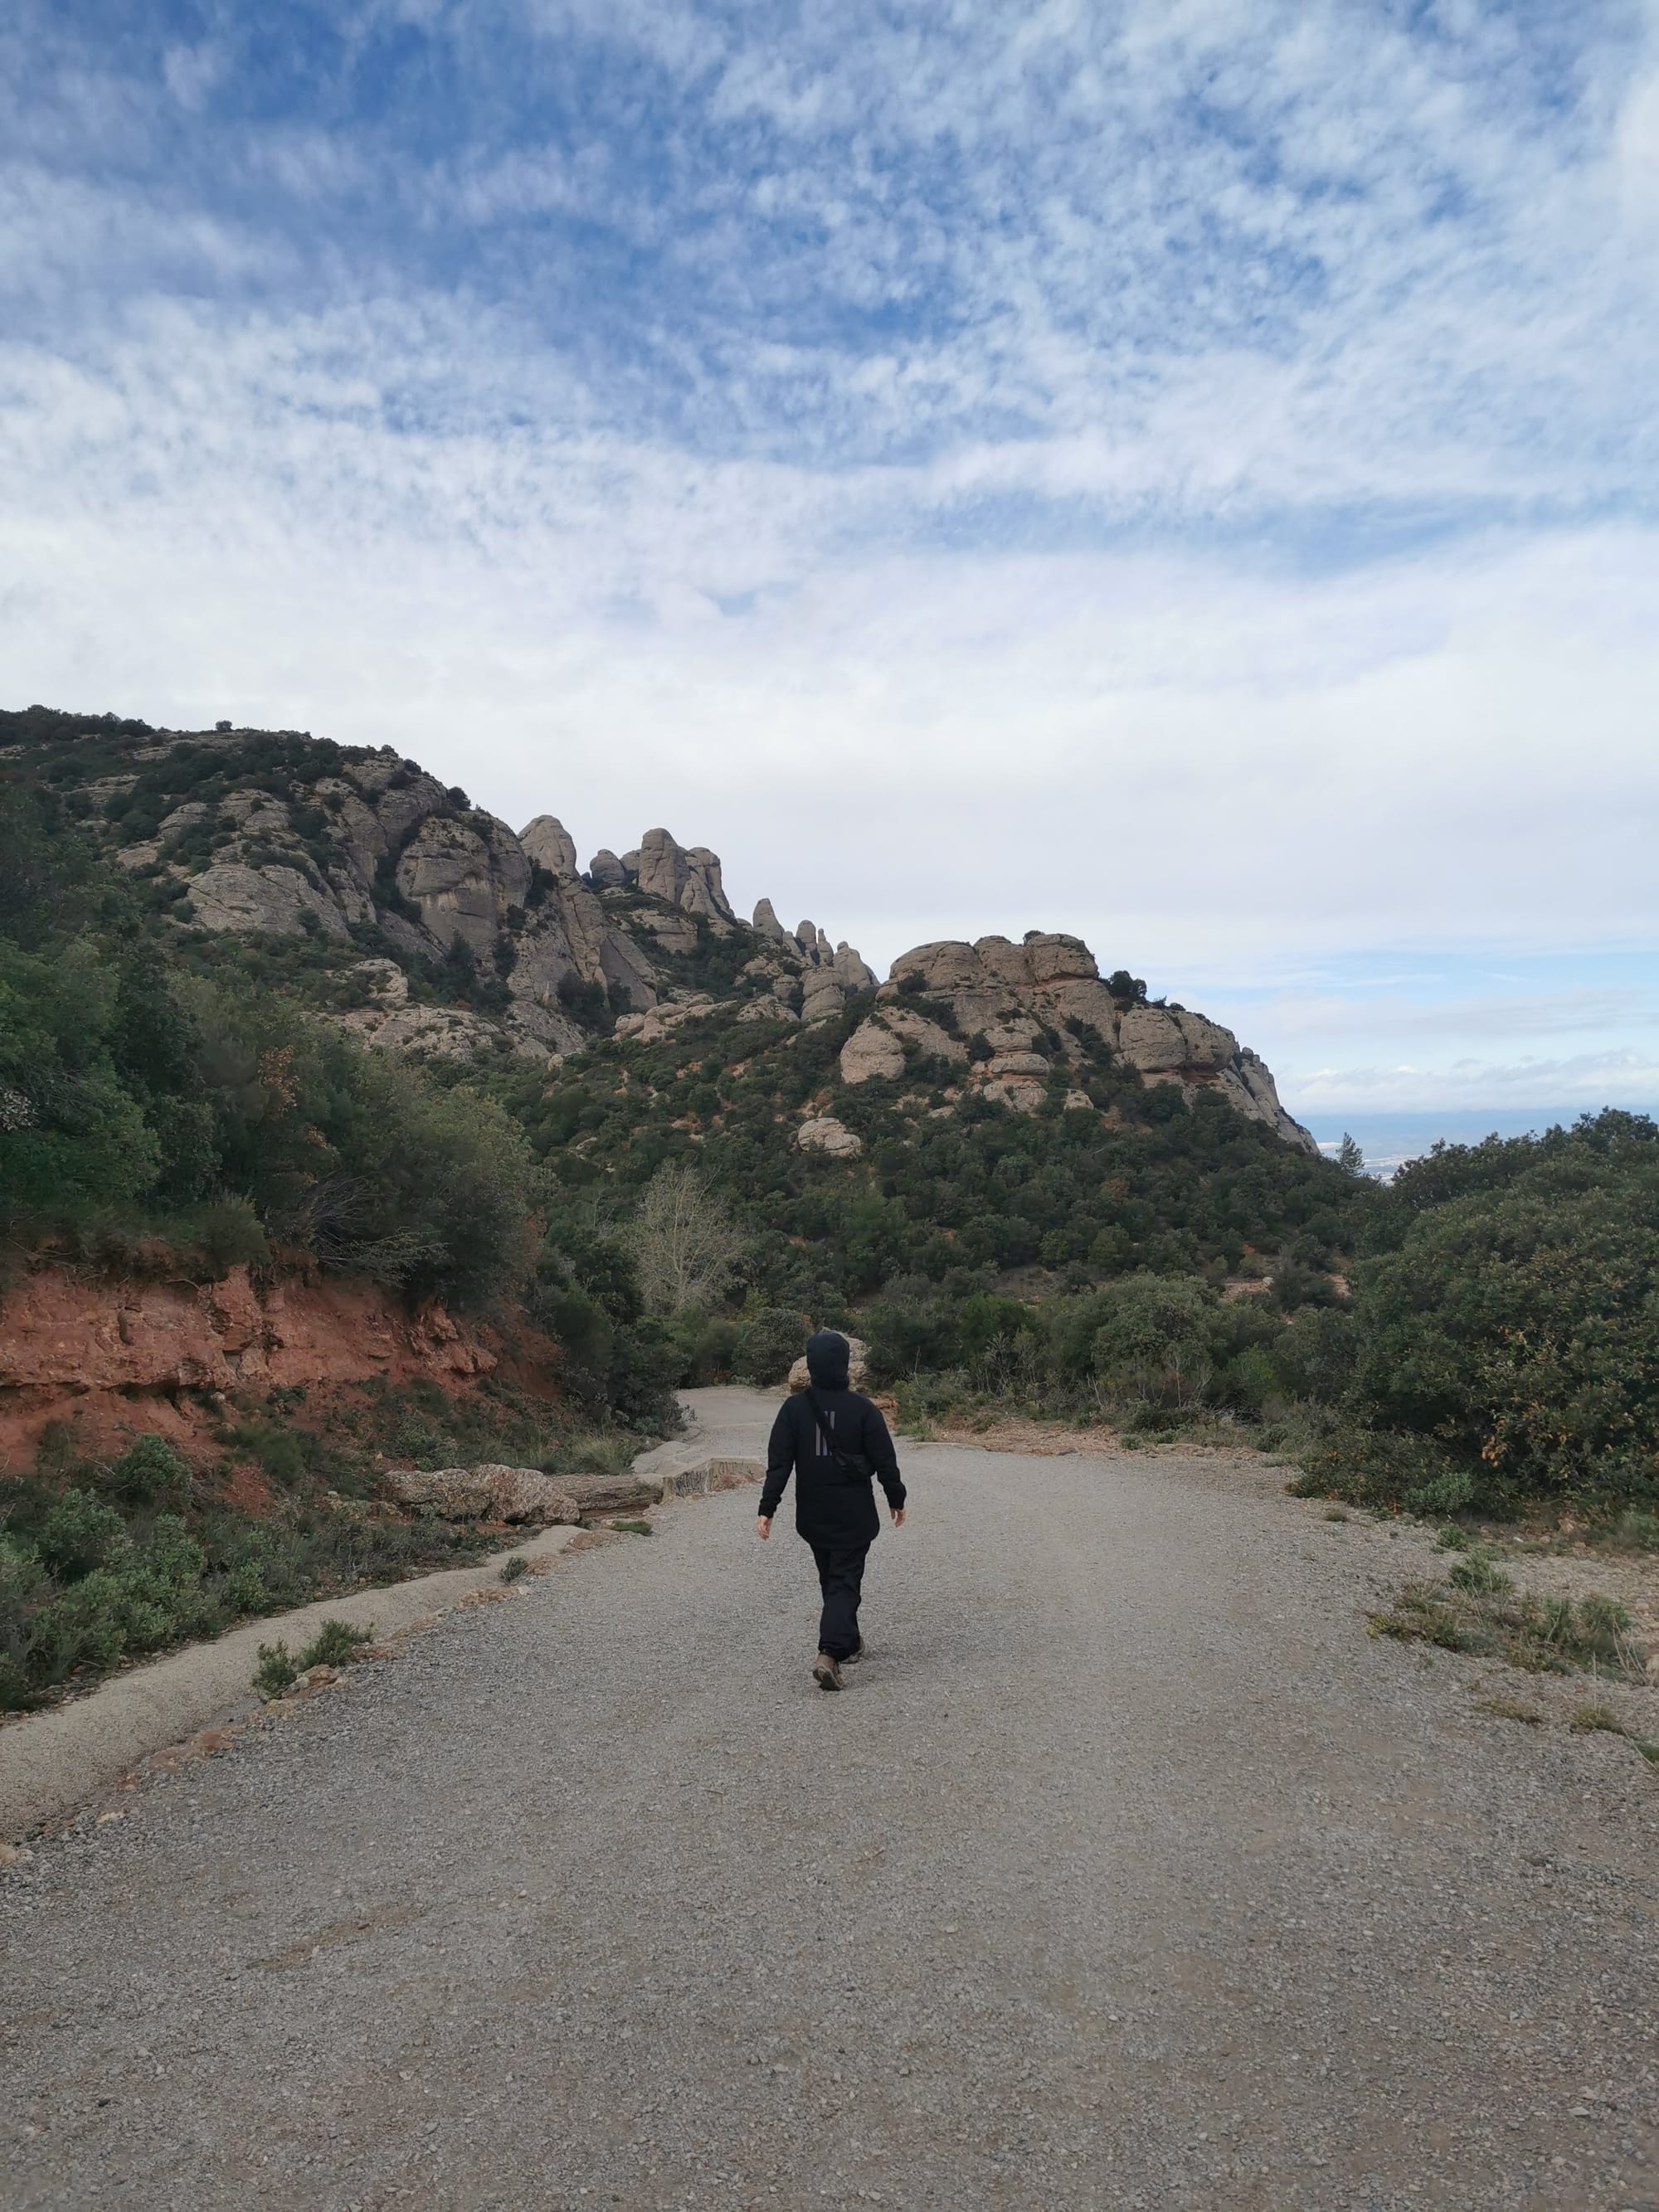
[1128, 1871]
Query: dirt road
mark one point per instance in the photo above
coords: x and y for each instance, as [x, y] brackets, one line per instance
[1128, 1871]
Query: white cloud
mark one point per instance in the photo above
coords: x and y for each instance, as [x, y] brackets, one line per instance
[1180, 471]
[192, 72]
[1584, 1081]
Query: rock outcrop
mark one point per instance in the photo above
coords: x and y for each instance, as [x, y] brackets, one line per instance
[513, 948]
[102, 1358]
[548, 844]
[1033, 1009]
[483, 1493]
[596, 1494]
[822, 1133]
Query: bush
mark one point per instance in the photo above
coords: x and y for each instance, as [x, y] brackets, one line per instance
[770, 1340]
[335, 1643]
[276, 1671]
[1153, 1338]
[78, 1534]
[149, 1470]
[1371, 1467]
[1515, 1326]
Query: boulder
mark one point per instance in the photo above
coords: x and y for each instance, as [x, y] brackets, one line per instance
[850, 971]
[1021, 1094]
[1056, 959]
[607, 871]
[1018, 1063]
[1008, 963]
[950, 965]
[871, 1050]
[549, 845]
[821, 1000]
[486, 1493]
[1158, 1040]
[876, 1047]
[824, 1133]
[768, 925]
[858, 1367]
[597, 1494]
[687, 878]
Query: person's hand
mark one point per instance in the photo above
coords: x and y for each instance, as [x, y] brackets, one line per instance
[898, 1516]
[763, 1526]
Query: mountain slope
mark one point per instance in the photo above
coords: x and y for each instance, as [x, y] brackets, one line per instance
[425, 925]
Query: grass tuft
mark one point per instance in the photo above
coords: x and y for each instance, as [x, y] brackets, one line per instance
[1590, 1720]
[276, 1671]
[1512, 1708]
[514, 1568]
[335, 1643]
[1477, 1610]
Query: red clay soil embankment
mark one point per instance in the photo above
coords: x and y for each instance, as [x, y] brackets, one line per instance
[113, 1358]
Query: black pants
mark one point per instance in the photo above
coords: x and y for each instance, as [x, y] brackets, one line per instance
[841, 1577]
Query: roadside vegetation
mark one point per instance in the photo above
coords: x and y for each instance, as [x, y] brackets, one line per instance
[102, 1563]
[1474, 1340]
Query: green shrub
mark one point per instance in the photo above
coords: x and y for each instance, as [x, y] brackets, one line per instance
[770, 1340]
[276, 1671]
[1374, 1467]
[78, 1535]
[1153, 1338]
[1635, 1530]
[335, 1643]
[81, 1627]
[1515, 1324]
[148, 1471]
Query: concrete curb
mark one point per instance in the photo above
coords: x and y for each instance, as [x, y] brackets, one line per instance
[51, 1762]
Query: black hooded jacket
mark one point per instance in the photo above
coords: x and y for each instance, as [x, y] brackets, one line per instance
[829, 1500]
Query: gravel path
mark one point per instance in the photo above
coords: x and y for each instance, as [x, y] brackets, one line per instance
[1127, 1872]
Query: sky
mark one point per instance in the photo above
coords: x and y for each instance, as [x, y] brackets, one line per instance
[1181, 471]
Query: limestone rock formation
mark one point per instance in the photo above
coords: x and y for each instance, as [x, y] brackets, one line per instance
[514, 948]
[1027, 1002]
[269, 900]
[549, 845]
[876, 1047]
[688, 878]
[822, 1133]
[661, 868]
[464, 876]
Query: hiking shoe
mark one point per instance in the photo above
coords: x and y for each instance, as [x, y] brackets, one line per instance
[825, 1672]
[853, 1656]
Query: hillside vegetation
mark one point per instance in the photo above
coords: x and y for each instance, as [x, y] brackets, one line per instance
[265, 1000]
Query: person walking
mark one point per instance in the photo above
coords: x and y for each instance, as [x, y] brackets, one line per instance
[834, 1441]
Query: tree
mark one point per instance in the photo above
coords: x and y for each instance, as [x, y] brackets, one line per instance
[1349, 1158]
[686, 1243]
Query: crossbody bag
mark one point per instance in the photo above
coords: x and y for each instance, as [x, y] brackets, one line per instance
[853, 1466]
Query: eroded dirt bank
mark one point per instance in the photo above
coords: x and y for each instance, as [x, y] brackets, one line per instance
[110, 1358]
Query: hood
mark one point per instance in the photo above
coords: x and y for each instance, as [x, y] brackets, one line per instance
[827, 1358]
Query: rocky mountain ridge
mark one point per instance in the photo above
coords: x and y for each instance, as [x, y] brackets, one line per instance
[437, 930]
